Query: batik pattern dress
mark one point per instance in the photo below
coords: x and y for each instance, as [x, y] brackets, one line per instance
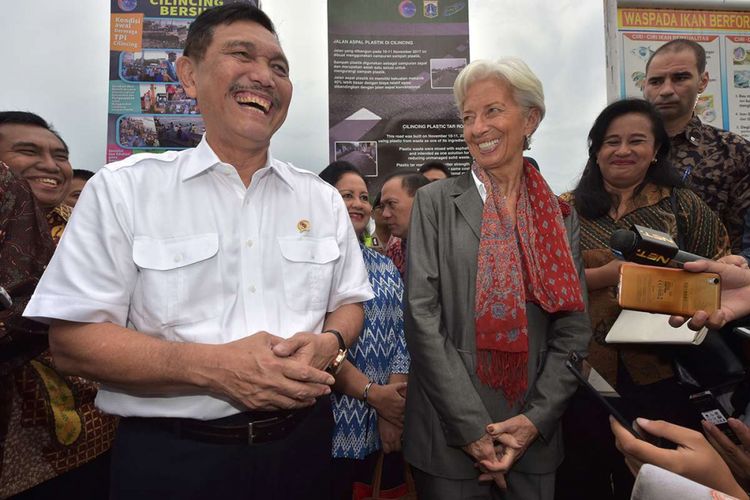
[379, 352]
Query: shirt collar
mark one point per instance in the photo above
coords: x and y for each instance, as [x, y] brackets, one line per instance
[650, 195]
[281, 169]
[203, 157]
[480, 187]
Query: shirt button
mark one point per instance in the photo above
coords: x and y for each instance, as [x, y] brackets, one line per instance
[178, 258]
[251, 289]
[249, 243]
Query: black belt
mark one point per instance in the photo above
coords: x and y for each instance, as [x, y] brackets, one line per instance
[243, 428]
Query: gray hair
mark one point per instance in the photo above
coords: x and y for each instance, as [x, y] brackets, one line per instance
[526, 87]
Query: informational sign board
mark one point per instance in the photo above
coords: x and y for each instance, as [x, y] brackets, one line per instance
[391, 68]
[148, 108]
[634, 33]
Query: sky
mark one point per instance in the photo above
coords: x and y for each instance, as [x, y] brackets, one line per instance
[55, 62]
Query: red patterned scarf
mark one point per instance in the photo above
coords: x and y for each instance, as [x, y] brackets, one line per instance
[534, 264]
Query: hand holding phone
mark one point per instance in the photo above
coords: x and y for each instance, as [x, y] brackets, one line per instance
[667, 290]
[736, 456]
[693, 458]
[713, 411]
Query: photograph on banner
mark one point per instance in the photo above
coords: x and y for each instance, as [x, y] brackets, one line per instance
[148, 108]
[164, 33]
[363, 154]
[149, 66]
[638, 47]
[137, 132]
[725, 36]
[391, 68]
[443, 72]
[166, 99]
[178, 9]
[179, 132]
[162, 132]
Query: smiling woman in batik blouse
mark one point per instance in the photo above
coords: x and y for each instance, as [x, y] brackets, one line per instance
[370, 389]
[627, 180]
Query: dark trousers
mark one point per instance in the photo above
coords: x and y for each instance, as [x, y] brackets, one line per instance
[150, 461]
[87, 482]
[521, 486]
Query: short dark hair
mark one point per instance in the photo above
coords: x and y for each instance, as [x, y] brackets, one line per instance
[333, 173]
[82, 174]
[410, 181]
[435, 165]
[680, 44]
[201, 31]
[27, 118]
[591, 199]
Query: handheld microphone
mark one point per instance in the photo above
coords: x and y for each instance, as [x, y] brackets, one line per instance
[644, 245]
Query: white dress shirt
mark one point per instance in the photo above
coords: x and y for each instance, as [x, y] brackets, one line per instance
[480, 187]
[173, 245]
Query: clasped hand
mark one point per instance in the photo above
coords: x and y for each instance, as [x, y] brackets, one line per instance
[265, 372]
[501, 447]
[389, 401]
[314, 349]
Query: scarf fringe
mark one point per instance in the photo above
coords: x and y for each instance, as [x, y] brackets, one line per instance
[539, 268]
[504, 370]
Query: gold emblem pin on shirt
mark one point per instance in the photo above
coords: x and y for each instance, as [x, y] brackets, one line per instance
[303, 226]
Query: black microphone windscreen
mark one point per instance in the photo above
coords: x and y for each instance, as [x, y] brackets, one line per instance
[623, 241]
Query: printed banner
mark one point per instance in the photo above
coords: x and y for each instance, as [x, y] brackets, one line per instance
[391, 68]
[726, 37]
[148, 108]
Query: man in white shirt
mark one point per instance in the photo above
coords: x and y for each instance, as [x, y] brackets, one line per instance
[194, 286]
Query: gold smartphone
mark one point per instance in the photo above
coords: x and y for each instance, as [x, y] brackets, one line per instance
[667, 290]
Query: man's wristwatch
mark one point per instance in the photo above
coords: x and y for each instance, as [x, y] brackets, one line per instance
[338, 361]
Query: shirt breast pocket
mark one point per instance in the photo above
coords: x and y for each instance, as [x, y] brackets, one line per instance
[307, 271]
[180, 279]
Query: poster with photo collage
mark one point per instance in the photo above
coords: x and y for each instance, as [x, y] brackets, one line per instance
[149, 110]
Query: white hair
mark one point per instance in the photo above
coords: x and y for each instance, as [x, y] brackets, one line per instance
[526, 87]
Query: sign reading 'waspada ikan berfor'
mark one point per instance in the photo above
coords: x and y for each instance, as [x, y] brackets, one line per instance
[691, 20]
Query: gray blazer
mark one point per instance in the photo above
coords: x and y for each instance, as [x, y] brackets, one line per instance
[446, 405]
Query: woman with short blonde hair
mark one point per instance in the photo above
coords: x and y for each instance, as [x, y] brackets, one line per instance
[494, 305]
